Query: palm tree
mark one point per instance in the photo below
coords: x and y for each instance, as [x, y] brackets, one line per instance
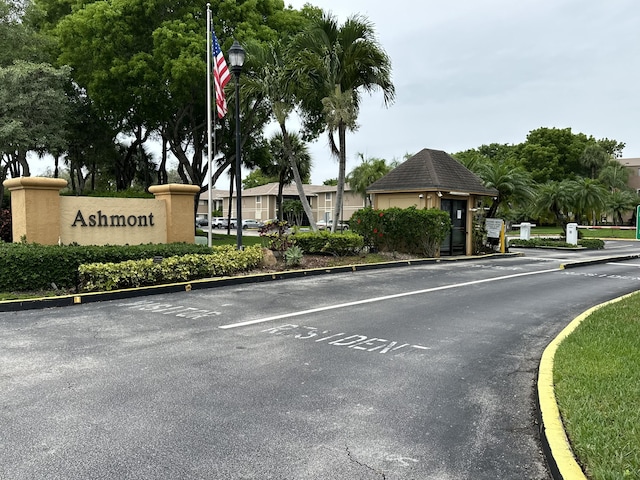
[514, 184]
[370, 170]
[555, 198]
[269, 79]
[281, 167]
[588, 198]
[337, 62]
[620, 202]
[594, 158]
[614, 176]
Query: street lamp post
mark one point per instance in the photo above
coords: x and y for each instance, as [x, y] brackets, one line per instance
[236, 59]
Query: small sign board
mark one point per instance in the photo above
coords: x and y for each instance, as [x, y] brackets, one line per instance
[494, 227]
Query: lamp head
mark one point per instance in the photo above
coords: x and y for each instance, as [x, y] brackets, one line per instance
[236, 58]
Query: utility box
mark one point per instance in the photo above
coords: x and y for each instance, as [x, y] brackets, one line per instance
[572, 233]
[525, 231]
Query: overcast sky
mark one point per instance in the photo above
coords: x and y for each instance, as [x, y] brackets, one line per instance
[471, 72]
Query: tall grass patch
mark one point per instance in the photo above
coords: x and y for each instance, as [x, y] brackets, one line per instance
[597, 384]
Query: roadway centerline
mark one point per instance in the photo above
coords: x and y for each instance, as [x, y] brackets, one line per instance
[379, 299]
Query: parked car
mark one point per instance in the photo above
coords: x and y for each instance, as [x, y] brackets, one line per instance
[201, 222]
[251, 223]
[326, 225]
[218, 222]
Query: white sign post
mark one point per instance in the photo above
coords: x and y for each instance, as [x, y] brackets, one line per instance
[495, 229]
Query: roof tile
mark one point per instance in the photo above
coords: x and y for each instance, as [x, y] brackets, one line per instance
[431, 170]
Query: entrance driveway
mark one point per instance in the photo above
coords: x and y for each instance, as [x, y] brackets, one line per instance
[421, 372]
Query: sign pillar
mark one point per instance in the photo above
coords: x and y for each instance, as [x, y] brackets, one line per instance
[35, 209]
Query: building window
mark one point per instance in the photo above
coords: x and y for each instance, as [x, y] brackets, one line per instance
[258, 200]
[327, 196]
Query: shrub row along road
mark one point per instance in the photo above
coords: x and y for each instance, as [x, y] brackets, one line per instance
[421, 372]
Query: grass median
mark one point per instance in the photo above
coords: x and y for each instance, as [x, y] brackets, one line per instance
[597, 385]
[601, 232]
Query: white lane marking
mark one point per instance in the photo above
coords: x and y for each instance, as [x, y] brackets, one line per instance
[379, 299]
[624, 264]
[356, 342]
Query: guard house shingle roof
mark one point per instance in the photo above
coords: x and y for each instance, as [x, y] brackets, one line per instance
[431, 170]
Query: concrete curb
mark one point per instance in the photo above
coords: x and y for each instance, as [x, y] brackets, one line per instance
[70, 300]
[555, 444]
[595, 261]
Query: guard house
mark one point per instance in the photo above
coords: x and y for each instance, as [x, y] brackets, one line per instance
[434, 179]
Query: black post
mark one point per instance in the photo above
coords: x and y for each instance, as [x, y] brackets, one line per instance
[236, 58]
[238, 166]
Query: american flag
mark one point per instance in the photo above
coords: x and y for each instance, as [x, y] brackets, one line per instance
[221, 75]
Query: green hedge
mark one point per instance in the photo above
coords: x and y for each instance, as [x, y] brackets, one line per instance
[5, 225]
[224, 260]
[324, 242]
[590, 243]
[406, 230]
[28, 267]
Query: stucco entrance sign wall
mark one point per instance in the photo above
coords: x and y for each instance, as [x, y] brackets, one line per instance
[41, 215]
[113, 221]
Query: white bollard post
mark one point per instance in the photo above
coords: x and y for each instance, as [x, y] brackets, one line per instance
[572, 233]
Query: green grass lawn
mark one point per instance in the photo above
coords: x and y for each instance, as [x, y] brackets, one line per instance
[585, 233]
[607, 233]
[597, 385]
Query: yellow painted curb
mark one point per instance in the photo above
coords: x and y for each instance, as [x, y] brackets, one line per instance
[554, 432]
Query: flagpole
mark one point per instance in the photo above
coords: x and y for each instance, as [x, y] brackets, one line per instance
[209, 132]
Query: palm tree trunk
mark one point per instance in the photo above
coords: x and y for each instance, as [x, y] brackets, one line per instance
[280, 197]
[342, 166]
[494, 208]
[297, 178]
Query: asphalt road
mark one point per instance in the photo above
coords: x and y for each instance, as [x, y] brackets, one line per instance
[422, 372]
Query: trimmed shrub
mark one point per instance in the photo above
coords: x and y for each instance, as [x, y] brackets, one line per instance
[223, 260]
[327, 243]
[26, 267]
[406, 230]
[591, 243]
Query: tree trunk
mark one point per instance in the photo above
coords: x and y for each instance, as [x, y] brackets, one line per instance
[163, 177]
[494, 208]
[24, 164]
[297, 178]
[342, 166]
[280, 197]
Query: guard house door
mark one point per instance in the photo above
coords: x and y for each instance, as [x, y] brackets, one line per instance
[455, 243]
